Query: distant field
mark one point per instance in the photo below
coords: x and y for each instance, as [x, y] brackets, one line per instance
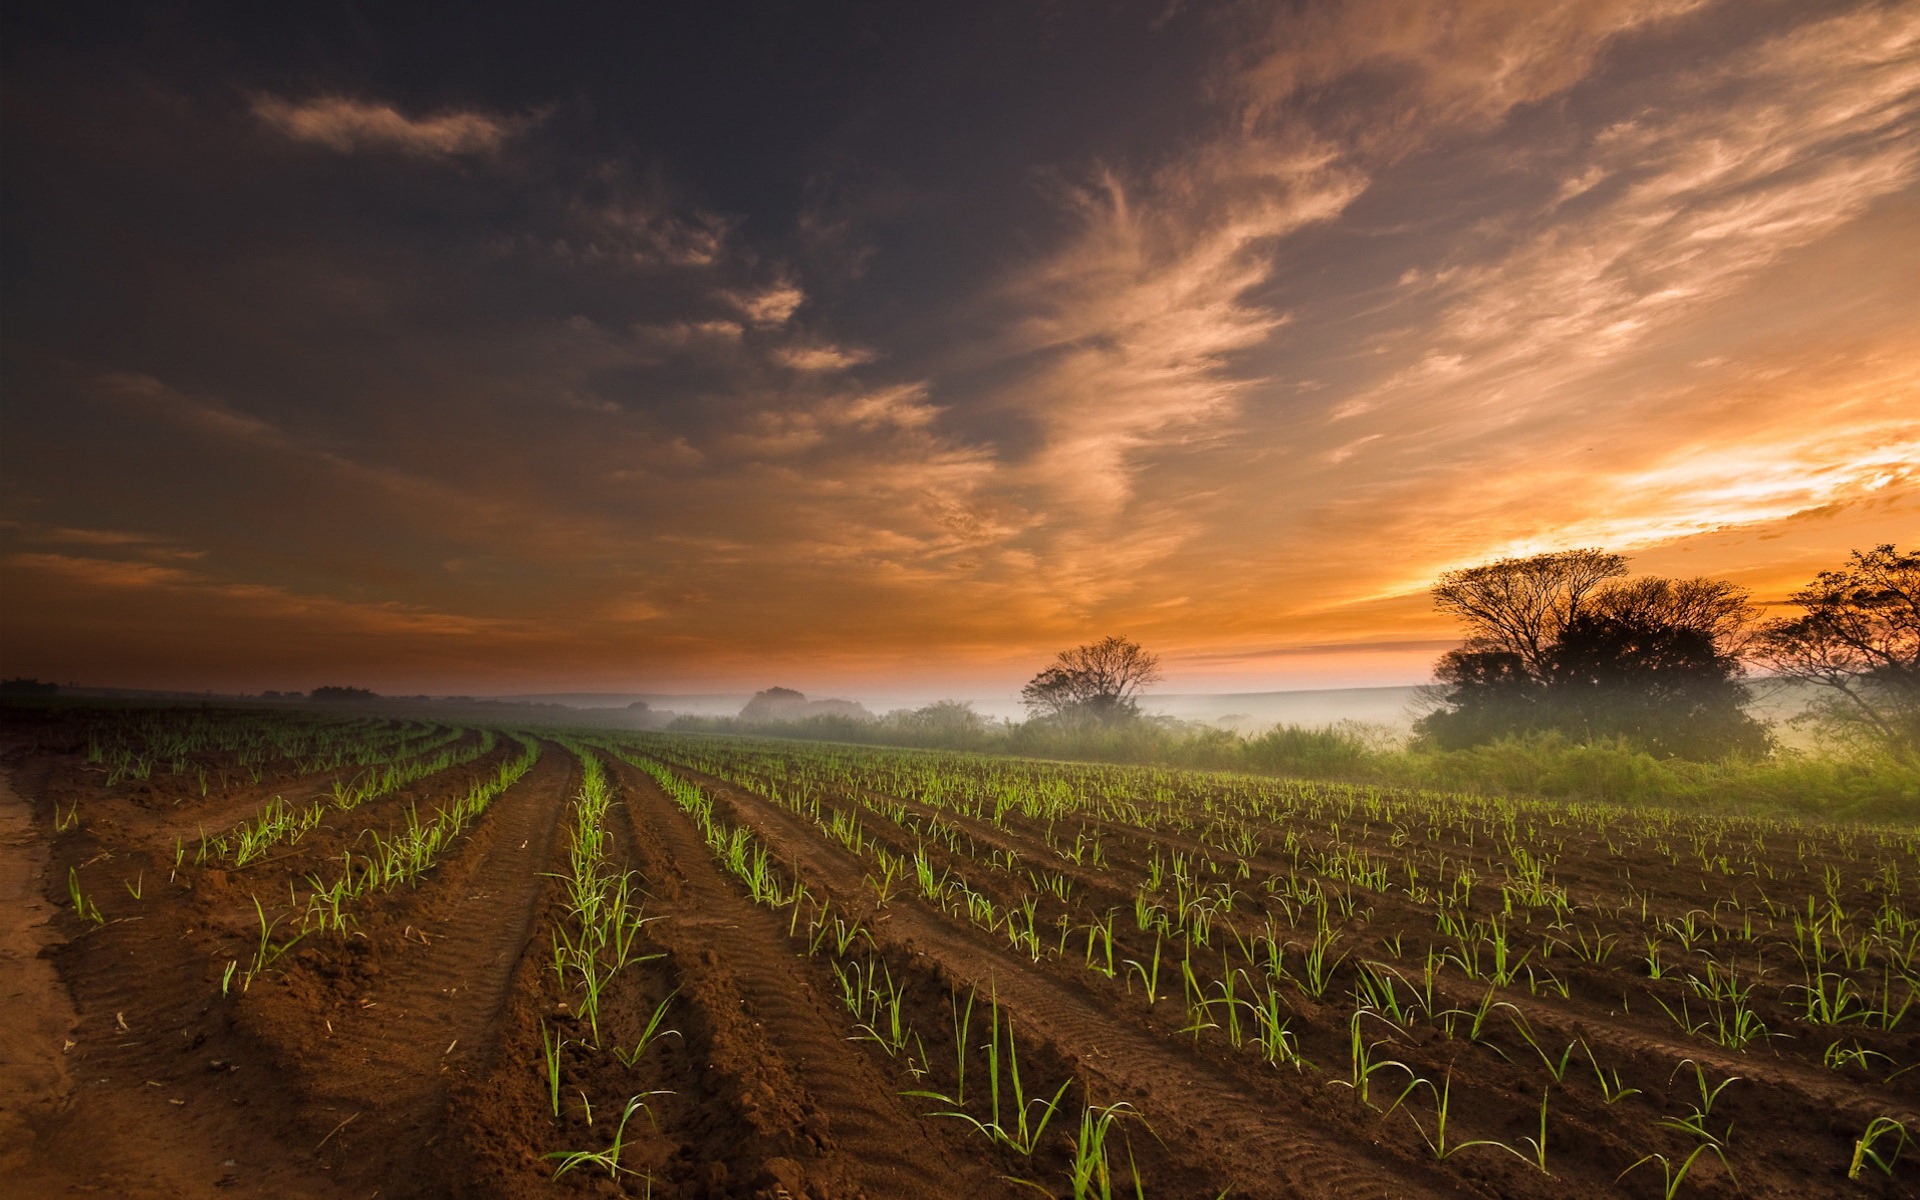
[318, 955]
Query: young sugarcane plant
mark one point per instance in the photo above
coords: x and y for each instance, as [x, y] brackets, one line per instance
[1864, 1151]
[550, 1046]
[1673, 1176]
[610, 1157]
[83, 908]
[1026, 1131]
[647, 1036]
[1442, 1100]
[267, 952]
[1090, 1174]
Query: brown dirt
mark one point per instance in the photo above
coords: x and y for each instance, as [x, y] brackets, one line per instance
[405, 1059]
[37, 1014]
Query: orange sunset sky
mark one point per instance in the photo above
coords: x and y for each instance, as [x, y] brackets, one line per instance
[868, 347]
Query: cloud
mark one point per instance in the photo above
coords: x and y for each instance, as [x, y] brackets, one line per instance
[93, 537]
[1742, 162]
[1135, 322]
[1444, 63]
[1143, 315]
[772, 305]
[204, 415]
[822, 357]
[349, 126]
[257, 600]
[642, 227]
[102, 572]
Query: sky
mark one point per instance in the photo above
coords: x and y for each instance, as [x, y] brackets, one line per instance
[868, 346]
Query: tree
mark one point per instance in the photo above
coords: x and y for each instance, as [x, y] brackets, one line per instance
[1100, 681]
[1559, 642]
[1519, 605]
[1659, 679]
[1858, 639]
[1482, 695]
[946, 723]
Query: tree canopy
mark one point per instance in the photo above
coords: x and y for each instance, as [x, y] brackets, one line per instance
[1100, 681]
[1560, 642]
[1858, 639]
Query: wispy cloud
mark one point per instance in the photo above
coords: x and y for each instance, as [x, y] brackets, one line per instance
[1741, 163]
[347, 125]
[822, 357]
[255, 600]
[1384, 287]
[1139, 318]
[1134, 324]
[642, 227]
[1431, 65]
[770, 305]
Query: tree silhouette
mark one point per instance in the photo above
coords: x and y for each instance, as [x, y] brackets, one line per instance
[1557, 642]
[1518, 606]
[1100, 682]
[1858, 640]
[1661, 682]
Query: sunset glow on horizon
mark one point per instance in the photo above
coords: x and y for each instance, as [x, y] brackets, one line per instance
[885, 349]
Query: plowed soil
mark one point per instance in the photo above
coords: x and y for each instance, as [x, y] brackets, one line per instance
[143, 1056]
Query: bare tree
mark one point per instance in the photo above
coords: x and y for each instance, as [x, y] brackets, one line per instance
[1101, 680]
[1719, 609]
[1859, 638]
[1519, 606]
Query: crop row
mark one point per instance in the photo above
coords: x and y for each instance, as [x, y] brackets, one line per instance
[280, 822]
[1262, 922]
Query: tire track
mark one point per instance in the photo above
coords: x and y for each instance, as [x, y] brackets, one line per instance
[165, 1098]
[876, 1146]
[1268, 1153]
[430, 1014]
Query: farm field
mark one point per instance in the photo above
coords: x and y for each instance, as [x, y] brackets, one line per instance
[312, 955]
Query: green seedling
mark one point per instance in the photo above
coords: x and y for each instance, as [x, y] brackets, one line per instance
[1365, 1066]
[1149, 977]
[83, 908]
[647, 1035]
[1027, 1128]
[1673, 1176]
[1089, 1174]
[1442, 1100]
[1694, 1123]
[267, 952]
[1865, 1146]
[550, 1047]
[610, 1157]
[1611, 1089]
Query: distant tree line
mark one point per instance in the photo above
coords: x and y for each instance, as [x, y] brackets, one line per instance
[1567, 643]
[335, 694]
[1564, 646]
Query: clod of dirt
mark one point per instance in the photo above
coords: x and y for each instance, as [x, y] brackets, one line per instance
[780, 1179]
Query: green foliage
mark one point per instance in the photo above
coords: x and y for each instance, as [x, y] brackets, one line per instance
[1861, 785]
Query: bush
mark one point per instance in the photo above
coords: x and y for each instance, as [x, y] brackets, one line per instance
[1839, 785]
